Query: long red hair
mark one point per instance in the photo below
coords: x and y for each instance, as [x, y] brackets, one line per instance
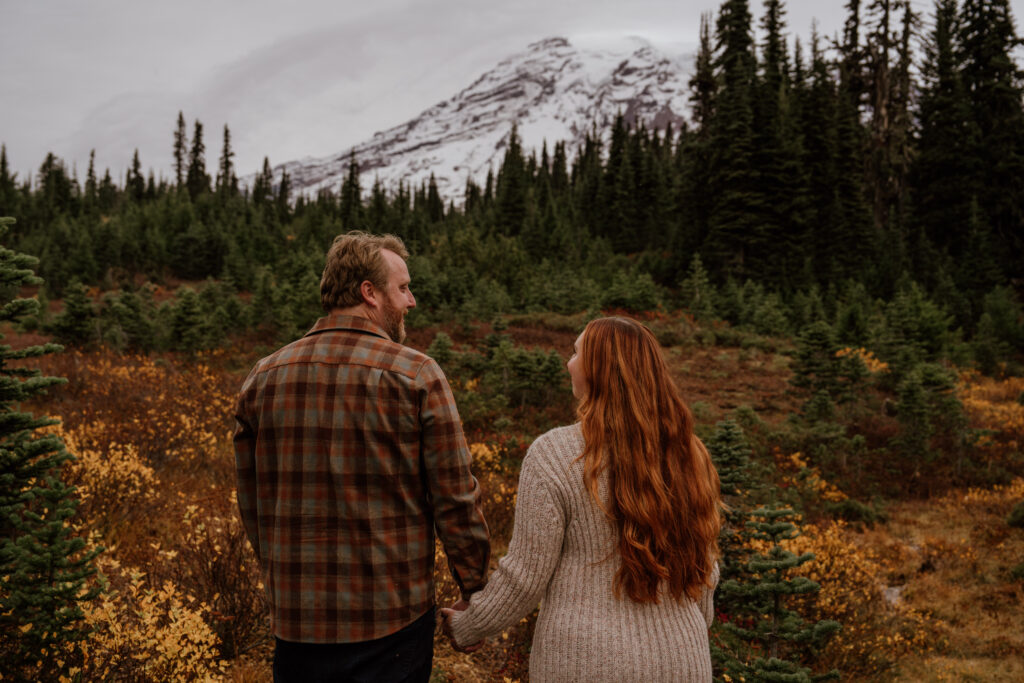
[664, 494]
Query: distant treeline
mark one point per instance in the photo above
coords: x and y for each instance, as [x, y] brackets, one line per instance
[806, 172]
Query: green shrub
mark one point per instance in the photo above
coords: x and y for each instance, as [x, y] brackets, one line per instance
[1016, 518]
[854, 511]
[633, 292]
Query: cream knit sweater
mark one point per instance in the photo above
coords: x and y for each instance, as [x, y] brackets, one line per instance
[563, 551]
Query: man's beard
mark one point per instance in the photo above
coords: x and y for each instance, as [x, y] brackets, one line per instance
[394, 322]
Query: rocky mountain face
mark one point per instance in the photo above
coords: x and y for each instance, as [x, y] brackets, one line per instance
[553, 91]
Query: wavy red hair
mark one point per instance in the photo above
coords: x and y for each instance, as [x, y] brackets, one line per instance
[664, 494]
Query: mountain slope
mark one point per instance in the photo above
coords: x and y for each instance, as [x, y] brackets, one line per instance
[552, 91]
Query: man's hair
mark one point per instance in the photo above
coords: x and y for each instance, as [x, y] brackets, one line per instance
[353, 258]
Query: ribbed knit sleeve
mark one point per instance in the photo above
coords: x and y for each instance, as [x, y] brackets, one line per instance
[707, 602]
[522, 576]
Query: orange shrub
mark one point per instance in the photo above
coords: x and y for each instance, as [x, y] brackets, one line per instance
[112, 482]
[874, 633]
[994, 405]
[174, 413]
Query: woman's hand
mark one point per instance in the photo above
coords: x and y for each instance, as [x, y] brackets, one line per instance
[446, 627]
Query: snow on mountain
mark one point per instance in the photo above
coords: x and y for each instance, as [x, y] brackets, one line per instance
[552, 91]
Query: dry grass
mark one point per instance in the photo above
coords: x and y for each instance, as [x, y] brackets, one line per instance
[725, 379]
[952, 556]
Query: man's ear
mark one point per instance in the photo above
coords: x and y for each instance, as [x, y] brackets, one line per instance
[369, 294]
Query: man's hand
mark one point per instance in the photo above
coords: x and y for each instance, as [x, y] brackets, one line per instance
[446, 627]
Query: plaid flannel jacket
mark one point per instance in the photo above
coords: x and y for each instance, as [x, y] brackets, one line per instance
[349, 453]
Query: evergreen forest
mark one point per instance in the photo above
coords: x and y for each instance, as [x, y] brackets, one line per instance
[841, 171]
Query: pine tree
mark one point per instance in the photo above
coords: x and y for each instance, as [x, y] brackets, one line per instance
[187, 322]
[731, 455]
[986, 39]
[435, 207]
[352, 196]
[135, 184]
[197, 180]
[946, 173]
[736, 221]
[108, 193]
[693, 154]
[697, 292]
[76, 324]
[180, 150]
[511, 187]
[888, 73]
[227, 183]
[263, 186]
[8, 186]
[44, 570]
[817, 118]
[761, 590]
[91, 196]
[283, 199]
[777, 155]
[916, 429]
[816, 368]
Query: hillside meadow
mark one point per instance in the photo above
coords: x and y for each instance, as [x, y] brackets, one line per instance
[924, 575]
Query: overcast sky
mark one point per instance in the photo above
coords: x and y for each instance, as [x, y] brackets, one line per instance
[290, 79]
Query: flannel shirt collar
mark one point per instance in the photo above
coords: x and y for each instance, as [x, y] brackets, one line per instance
[353, 323]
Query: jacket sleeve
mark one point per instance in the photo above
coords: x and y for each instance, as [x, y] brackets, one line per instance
[245, 466]
[454, 491]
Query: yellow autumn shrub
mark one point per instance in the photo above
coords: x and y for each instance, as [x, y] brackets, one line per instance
[149, 633]
[112, 482]
[875, 633]
[175, 413]
[993, 406]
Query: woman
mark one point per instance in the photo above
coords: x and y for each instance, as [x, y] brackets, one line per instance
[615, 529]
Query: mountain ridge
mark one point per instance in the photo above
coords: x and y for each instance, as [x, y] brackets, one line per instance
[552, 91]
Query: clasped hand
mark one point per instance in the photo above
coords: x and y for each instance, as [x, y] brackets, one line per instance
[446, 627]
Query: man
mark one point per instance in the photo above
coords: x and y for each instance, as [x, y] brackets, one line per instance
[349, 454]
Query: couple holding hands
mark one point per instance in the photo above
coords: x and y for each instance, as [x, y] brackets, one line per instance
[350, 458]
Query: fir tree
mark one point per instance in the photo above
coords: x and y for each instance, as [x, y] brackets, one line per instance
[108, 193]
[44, 570]
[135, 184]
[762, 590]
[693, 153]
[736, 233]
[995, 86]
[511, 187]
[282, 200]
[180, 150]
[187, 326]
[698, 294]
[777, 155]
[227, 183]
[263, 186]
[731, 455]
[8, 186]
[352, 197]
[816, 367]
[76, 324]
[946, 175]
[197, 180]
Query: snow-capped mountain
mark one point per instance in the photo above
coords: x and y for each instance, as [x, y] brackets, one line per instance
[552, 91]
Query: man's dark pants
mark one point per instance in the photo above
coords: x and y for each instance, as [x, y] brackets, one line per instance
[405, 656]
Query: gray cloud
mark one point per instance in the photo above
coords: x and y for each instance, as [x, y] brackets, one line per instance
[290, 79]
